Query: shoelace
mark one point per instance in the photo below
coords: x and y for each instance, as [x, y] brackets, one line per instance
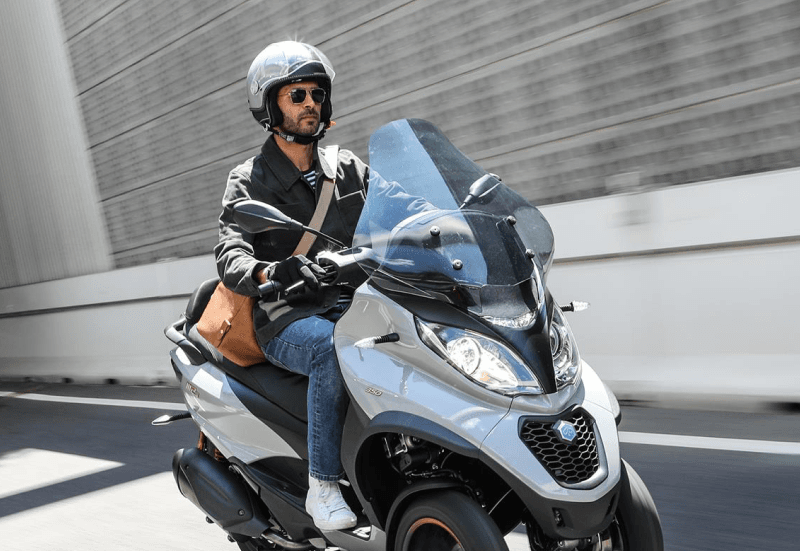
[330, 503]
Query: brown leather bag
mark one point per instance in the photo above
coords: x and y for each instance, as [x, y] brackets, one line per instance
[227, 324]
[227, 321]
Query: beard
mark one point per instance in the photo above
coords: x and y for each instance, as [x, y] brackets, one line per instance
[306, 124]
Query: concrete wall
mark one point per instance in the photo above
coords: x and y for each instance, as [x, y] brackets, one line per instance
[693, 289]
[693, 292]
[563, 99]
[97, 328]
[51, 222]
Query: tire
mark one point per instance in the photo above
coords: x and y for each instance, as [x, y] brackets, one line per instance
[636, 523]
[635, 526]
[447, 521]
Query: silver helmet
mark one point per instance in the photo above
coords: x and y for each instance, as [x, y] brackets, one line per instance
[281, 63]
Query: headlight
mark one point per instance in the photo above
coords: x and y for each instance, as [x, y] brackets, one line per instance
[524, 321]
[566, 359]
[487, 362]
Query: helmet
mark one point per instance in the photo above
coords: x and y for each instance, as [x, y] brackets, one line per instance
[281, 63]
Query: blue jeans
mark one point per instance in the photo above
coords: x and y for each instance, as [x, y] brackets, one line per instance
[306, 347]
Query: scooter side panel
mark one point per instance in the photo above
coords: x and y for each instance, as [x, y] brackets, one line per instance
[595, 388]
[222, 417]
[406, 376]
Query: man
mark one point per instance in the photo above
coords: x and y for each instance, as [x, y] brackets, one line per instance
[289, 90]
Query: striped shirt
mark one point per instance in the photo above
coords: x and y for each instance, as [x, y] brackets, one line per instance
[310, 176]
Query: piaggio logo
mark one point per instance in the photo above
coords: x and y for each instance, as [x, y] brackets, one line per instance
[565, 431]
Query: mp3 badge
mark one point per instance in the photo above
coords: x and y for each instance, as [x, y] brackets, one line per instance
[565, 431]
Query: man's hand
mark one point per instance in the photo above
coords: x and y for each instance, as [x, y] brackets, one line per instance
[294, 269]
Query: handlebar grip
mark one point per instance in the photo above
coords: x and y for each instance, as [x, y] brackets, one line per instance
[272, 288]
[269, 288]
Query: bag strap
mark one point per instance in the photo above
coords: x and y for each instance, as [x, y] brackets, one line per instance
[326, 194]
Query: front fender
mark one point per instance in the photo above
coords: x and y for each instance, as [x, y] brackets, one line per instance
[425, 429]
[379, 487]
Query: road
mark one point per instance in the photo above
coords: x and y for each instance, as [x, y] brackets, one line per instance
[82, 471]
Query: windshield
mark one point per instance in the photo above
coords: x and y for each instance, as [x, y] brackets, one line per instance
[426, 242]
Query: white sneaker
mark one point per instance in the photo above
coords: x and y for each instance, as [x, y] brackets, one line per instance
[327, 506]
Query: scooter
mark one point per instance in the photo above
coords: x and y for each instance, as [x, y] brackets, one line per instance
[471, 411]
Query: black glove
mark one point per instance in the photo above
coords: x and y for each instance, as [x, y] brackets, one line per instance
[294, 269]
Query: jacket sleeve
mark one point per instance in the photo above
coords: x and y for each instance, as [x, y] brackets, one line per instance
[236, 263]
[354, 168]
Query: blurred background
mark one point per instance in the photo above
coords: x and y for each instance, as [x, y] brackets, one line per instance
[661, 139]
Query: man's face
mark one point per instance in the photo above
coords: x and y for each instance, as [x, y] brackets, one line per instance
[299, 118]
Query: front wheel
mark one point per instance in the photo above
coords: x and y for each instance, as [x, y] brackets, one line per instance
[636, 523]
[635, 526]
[447, 521]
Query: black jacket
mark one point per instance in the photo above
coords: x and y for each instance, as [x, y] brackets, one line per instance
[272, 178]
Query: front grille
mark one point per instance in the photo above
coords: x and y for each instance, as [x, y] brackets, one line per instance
[567, 463]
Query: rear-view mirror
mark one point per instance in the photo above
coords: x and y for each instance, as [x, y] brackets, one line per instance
[256, 217]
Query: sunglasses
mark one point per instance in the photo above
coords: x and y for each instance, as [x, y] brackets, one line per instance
[298, 95]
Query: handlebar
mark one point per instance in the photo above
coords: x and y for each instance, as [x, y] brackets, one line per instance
[340, 268]
[271, 288]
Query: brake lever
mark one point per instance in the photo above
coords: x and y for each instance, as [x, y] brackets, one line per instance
[330, 273]
[294, 287]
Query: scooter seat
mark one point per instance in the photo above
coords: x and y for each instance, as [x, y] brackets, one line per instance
[281, 387]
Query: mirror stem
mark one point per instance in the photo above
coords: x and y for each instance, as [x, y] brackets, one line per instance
[326, 237]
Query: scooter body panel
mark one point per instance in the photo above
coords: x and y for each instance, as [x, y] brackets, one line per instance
[406, 376]
[222, 416]
[504, 446]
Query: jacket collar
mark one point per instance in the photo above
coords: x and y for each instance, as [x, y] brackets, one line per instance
[280, 165]
[322, 162]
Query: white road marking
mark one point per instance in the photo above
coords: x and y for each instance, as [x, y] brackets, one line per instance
[30, 469]
[97, 401]
[711, 443]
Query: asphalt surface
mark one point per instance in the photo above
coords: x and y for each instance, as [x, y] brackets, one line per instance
[97, 476]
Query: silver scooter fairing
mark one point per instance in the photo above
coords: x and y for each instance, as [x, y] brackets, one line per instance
[222, 417]
[408, 377]
[438, 261]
